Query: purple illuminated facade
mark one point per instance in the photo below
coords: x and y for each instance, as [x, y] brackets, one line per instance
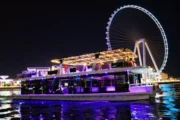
[101, 81]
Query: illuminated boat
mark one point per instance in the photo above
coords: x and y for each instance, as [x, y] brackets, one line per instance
[106, 75]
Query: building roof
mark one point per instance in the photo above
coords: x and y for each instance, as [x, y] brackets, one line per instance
[99, 57]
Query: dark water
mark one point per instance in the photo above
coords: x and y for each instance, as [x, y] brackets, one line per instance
[166, 106]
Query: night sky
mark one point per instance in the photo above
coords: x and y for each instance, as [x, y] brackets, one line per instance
[32, 34]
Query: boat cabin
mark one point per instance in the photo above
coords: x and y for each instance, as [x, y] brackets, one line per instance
[102, 72]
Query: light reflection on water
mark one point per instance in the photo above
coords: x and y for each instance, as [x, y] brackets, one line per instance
[10, 92]
[167, 106]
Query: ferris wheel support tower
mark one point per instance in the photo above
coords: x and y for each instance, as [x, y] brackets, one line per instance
[144, 47]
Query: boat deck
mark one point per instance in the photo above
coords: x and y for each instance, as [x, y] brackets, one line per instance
[112, 70]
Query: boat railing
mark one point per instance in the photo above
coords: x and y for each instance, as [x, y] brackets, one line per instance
[140, 84]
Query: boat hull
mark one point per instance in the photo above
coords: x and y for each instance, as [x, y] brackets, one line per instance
[125, 96]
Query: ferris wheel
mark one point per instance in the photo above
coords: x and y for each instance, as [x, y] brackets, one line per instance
[136, 28]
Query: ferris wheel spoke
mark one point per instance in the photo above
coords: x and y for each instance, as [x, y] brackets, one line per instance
[122, 32]
[123, 45]
[119, 36]
[125, 29]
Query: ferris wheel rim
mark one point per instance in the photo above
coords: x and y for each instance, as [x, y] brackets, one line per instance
[154, 20]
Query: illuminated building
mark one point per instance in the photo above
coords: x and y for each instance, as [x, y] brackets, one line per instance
[8, 83]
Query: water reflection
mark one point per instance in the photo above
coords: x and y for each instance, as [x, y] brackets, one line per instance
[168, 101]
[58, 110]
[8, 110]
[10, 92]
[167, 106]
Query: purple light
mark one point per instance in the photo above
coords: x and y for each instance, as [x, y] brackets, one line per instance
[86, 74]
[110, 88]
[80, 89]
[106, 73]
[54, 77]
[95, 89]
[141, 89]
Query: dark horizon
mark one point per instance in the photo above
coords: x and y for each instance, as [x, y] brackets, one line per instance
[34, 33]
